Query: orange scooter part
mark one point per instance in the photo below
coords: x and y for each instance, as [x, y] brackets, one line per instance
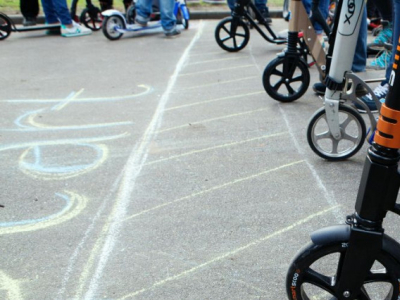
[388, 128]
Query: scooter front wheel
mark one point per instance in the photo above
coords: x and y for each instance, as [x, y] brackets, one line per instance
[5, 27]
[232, 34]
[111, 25]
[181, 19]
[286, 78]
[314, 274]
[352, 130]
[92, 18]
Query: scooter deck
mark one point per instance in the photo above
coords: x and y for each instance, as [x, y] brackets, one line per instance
[136, 27]
[35, 27]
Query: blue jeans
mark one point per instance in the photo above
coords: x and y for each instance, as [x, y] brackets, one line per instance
[395, 37]
[360, 56]
[260, 4]
[168, 19]
[323, 8]
[56, 11]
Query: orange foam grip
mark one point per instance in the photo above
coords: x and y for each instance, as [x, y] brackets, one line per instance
[389, 126]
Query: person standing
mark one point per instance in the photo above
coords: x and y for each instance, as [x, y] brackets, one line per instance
[168, 19]
[261, 5]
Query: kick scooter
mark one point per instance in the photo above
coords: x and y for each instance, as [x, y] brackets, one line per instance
[7, 26]
[115, 23]
[287, 77]
[357, 260]
[232, 33]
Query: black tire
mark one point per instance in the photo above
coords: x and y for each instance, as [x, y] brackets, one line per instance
[92, 18]
[313, 274]
[285, 10]
[286, 78]
[352, 129]
[110, 24]
[5, 27]
[181, 20]
[131, 14]
[231, 34]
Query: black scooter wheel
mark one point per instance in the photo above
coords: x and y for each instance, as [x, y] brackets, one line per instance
[232, 34]
[313, 274]
[352, 130]
[92, 18]
[5, 27]
[286, 78]
[110, 26]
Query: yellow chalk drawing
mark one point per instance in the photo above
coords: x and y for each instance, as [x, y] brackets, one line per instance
[11, 286]
[75, 206]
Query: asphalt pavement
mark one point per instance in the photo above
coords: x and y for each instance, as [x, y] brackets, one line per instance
[156, 168]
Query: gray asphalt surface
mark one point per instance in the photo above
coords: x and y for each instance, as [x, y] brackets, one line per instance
[155, 168]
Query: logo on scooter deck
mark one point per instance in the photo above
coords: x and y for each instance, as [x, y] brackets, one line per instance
[351, 7]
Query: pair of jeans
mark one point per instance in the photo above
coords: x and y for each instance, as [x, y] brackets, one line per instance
[168, 19]
[323, 7]
[395, 37]
[56, 11]
[29, 8]
[360, 56]
[261, 5]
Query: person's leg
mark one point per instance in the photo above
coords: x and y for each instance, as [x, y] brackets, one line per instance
[231, 4]
[143, 11]
[261, 5]
[360, 56]
[29, 8]
[49, 12]
[168, 19]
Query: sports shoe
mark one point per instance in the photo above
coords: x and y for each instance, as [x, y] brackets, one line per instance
[173, 32]
[29, 21]
[266, 16]
[384, 36]
[75, 30]
[142, 21]
[380, 92]
[381, 62]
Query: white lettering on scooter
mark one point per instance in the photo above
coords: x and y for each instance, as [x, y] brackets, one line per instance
[392, 77]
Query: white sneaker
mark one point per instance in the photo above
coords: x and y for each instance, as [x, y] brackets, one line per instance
[75, 30]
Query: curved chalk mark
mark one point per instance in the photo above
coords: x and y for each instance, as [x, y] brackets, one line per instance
[74, 206]
[11, 286]
[39, 170]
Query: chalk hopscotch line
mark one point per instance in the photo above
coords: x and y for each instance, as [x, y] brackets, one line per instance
[147, 90]
[10, 286]
[38, 169]
[216, 147]
[74, 204]
[218, 187]
[227, 254]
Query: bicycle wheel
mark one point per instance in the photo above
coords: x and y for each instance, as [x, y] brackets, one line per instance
[92, 18]
[285, 10]
[232, 34]
[313, 274]
[352, 129]
[286, 78]
[110, 27]
[5, 27]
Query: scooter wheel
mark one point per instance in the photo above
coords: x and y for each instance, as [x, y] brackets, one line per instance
[92, 18]
[5, 27]
[110, 26]
[352, 129]
[232, 34]
[315, 274]
[180, 18]
[286, 78]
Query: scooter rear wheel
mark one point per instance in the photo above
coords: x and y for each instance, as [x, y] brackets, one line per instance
[5, 27]
[313, 274]
[352, 129]
[180, 18]
[286, 78]
[92, 18]
[110, 26]
[232, 35]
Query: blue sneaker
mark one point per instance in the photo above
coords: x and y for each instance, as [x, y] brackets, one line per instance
[381, 62]
[380, 92]
[384, 36]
